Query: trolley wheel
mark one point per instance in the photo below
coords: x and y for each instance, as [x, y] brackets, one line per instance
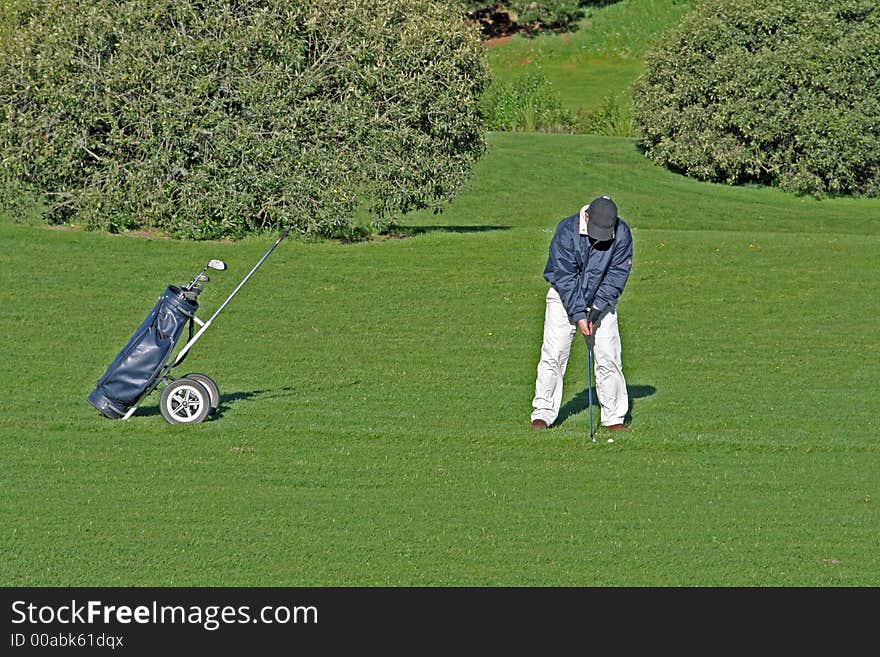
[213, 390]
[185, 401]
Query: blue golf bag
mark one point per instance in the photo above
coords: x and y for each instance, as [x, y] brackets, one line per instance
[137, 367]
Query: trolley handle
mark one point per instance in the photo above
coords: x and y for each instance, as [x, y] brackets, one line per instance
[205, 325]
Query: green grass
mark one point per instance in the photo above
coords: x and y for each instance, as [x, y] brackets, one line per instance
[599, 60]
[376, 398]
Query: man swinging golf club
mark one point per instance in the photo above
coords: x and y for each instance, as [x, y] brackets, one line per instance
[588, 266]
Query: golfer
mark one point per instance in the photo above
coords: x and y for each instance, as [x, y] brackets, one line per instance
[589, 264]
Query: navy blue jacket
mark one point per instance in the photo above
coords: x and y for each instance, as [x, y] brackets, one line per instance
[586, 272]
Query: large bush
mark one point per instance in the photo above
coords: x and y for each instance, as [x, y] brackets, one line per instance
[780, 92]
[209, 118]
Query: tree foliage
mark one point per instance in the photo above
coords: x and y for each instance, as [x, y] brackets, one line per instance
[528, 16]
[210, 118]
[779, 92]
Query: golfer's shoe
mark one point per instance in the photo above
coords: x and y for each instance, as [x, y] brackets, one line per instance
[539, 424]
[617, 427]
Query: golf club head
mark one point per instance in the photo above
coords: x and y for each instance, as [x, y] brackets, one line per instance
[219, 265]
[202, 278]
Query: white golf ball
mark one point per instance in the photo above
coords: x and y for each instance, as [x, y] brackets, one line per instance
[611, 440]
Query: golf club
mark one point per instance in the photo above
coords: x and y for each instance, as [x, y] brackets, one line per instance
[219, 265]
[590, 339]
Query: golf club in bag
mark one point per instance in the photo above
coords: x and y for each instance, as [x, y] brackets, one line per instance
[146, 361]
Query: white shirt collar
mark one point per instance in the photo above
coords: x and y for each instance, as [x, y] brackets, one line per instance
[583, 222]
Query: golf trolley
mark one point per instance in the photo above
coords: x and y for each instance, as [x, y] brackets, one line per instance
[147, 360]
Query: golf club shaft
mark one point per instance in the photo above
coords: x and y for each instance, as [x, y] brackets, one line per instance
[195, 279]
[204, 327]
[590, 383]
[245, 279]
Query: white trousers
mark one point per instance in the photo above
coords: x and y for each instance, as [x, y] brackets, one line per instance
[607, 363]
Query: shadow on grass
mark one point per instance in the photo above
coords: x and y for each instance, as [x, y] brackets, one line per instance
[580, 401]
[232, 398]
[228, 400]
[402, 232]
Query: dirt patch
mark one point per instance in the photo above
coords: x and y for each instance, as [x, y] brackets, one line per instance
[146, 234]
[150, 234]
[488, 44]
[62, 227]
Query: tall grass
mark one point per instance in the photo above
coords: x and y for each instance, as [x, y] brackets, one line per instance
[528, 104]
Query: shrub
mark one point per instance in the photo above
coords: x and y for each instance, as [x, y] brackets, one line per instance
[528, 104]
[210, 118]
[780, 92]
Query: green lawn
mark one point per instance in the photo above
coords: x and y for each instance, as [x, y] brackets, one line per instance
[376, 398]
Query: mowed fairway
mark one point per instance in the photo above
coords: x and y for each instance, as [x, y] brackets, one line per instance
[374, 428]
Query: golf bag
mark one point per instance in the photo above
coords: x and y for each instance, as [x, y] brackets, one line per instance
[139, 363]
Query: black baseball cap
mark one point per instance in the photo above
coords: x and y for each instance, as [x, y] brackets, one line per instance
[603, 218]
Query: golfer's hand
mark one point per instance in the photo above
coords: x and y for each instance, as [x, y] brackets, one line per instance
[585, 326]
